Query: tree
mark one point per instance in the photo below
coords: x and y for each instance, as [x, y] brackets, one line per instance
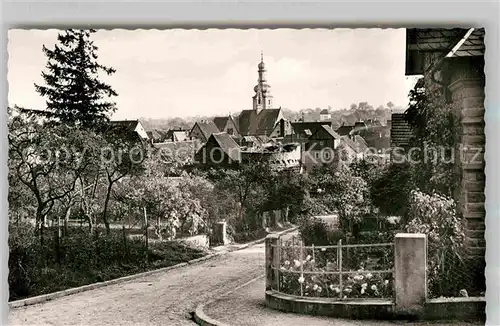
[123, 155]
[390, 105]
[75, 94]
[47, 161]
[435, 132]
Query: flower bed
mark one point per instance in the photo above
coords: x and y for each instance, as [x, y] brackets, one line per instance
[342, 272]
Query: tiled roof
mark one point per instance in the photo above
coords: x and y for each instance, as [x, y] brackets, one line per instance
[344, 130]
[207, 128]
[346, 140]
[252, 123]
[331, 132]
[360, 141]
[220, 122]
[400, 131]
[440, 40]
[228, 145]
[129, 124]
[306, 129]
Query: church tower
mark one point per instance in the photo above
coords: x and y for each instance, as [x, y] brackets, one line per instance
[262, 98]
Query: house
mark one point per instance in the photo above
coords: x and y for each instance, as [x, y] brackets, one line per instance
[202, 130]
[157, 136]
[132, 126]
[452, 64]
[220, 150]
[320, 147]
[227, 125]
[374, 134]
[177, 134]
[324, 115]
[283, 128]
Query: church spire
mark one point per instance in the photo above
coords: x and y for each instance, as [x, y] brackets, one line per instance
[262, 98]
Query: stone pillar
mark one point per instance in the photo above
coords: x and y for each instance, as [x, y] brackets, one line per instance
[220, 233]
[467, 82]
[272, 259]
[410, 272]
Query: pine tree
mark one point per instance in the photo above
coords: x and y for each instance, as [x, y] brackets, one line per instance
[75, 95]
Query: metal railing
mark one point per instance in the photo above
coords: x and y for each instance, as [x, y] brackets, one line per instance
[341, 271]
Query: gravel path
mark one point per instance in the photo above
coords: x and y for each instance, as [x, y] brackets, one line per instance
[161, 299]
[245, 307]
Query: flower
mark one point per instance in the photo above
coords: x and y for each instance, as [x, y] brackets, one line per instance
[373, 287]
[358, 277]
[319, 289]
[386, 282]
[283, 268]
[347, 290]
[308, 257]
[369, 275]
[315, 287]
[323, 249]
[364, 285]
[312, 261]
[363, 291]
[297, 263]
[287, 263]
[301, 279]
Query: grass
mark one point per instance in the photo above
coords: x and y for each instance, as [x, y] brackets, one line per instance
[82, 258]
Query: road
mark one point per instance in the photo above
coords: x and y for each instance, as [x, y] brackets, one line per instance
[165, 298]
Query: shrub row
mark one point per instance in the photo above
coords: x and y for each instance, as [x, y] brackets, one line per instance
[81, 258]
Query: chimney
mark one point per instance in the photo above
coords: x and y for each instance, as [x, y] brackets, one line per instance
[282, 127]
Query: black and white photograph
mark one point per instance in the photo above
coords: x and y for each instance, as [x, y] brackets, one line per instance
[246, 177]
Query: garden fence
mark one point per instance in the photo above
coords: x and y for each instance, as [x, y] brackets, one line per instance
[342, 271]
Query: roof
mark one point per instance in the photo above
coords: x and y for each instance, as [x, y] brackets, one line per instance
[251, 122]
[129, 124]
[360, 141]
[344, 130]
[331, 132]
[440, 40]
[228, 145]
[220, 122]
[324, 111]
[179, 135]
[306, 129]
[349, 142]
[400, 131]
[207, 128]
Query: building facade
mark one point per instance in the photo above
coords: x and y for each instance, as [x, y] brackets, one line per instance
[452, 63]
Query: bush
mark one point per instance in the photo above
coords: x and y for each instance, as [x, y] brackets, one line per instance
[80, 258]
[315, 231]
[436, 216]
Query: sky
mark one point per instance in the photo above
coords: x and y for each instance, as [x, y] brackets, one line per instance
[185, 73]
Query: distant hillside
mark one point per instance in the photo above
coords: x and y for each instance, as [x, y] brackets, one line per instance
[362, 111]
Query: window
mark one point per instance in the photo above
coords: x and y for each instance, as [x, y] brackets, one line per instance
[321, 143]
[230, 131]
